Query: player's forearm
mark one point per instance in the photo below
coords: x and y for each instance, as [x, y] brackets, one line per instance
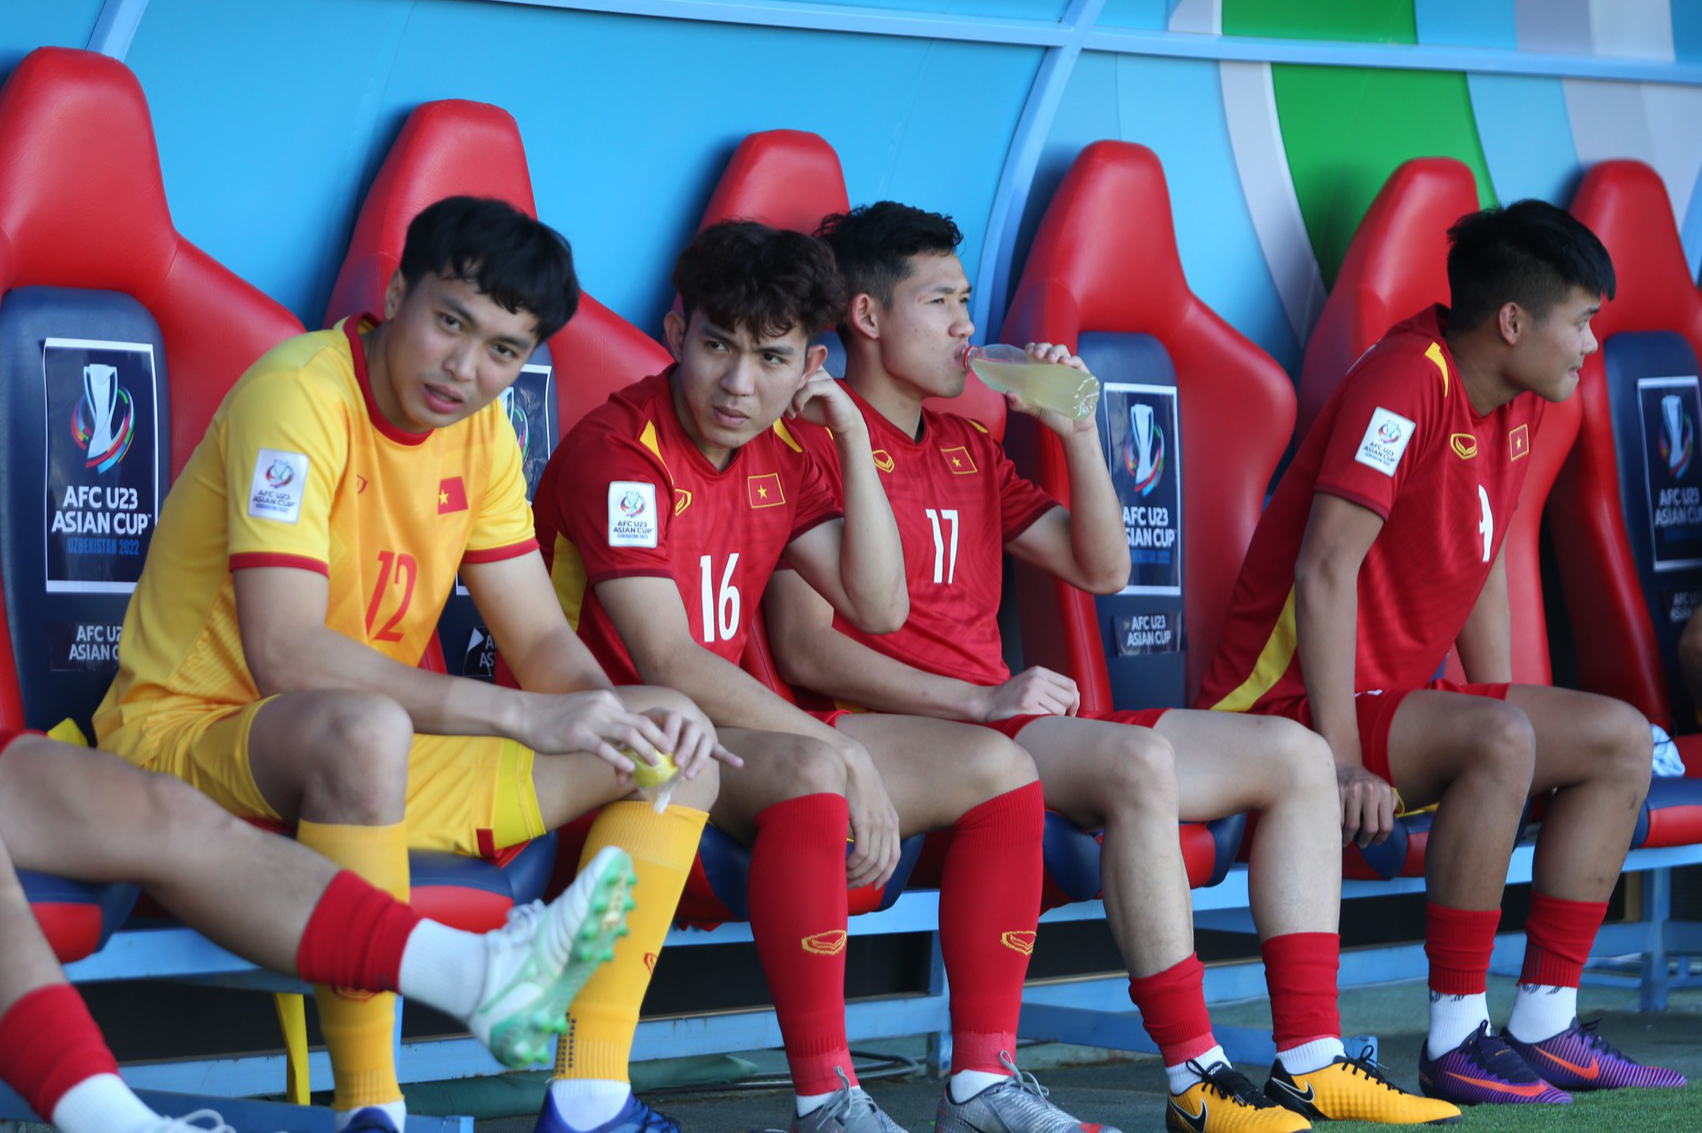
[1326, 614]
[319, 658]
[556, 662]
[1097, 538]
[728, 695]
[1486, 640]
[871, 558]
[838, 666]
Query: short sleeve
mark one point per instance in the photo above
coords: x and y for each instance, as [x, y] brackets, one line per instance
[1387, 422]
[818, 502]
[1021, 500]
[615, 504]
[503, 528]
[286, 442]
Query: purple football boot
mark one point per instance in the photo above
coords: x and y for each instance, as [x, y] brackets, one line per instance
[1579, 1059]
[1484, 1070]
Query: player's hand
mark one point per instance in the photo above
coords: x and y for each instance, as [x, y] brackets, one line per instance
[823, 401]
[1032, 692]
[1368, 806]
[1057, 422]
[874, 823]
[596, 722]
[693, 744]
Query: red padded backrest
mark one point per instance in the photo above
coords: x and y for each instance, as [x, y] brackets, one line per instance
[1626, 205]
[1105, 259]
[792, 179]
[1396, 266]
[82, 205]
[456, 147]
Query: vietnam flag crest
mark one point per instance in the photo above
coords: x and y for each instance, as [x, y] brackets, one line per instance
[451, 495]
[764, 490]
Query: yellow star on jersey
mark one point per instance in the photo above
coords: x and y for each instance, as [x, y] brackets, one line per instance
[762, 493]
[442, 498]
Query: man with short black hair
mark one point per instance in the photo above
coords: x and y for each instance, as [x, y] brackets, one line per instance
[1380, 550]
[302, 559]
[666, 511]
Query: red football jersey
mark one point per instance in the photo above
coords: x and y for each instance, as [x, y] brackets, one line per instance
[958, 500]
[1400, 438]
[629, 494]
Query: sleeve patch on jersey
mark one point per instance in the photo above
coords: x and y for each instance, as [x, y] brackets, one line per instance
[632, 514]
[1385, 440]
[280, 481]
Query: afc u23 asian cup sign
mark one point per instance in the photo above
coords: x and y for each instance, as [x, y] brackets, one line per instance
[1671, 411]
[1143, 446]
[102, 474]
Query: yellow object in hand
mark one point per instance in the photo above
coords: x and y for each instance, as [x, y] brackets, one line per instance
[646, 775]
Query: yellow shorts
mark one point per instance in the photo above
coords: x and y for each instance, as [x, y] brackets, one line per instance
[467, 794]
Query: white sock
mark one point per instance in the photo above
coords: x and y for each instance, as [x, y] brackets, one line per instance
[809, 1103]
[396, 1111]
[1315, 1055]
[965, 1084]
[1541, 1011]
[585, 1103]
[444, 968]
[1182, 1075]
[101, 1103]
[1453, 1018]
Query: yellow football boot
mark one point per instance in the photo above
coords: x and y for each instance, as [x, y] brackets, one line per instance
[1354, 1089]
[1224, 1101]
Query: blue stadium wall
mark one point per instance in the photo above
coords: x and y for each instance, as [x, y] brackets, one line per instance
[1276, 119]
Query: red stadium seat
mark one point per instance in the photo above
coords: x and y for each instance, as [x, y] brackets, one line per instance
[453, 148]
[1396, 266]
[88, 252]
[1627, 604]
[1608, 601]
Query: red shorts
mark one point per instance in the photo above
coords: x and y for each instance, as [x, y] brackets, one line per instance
[1139, 717]
[1376, 711]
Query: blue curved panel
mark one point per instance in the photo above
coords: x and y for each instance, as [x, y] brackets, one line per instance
[1175, 106]
[1153, 15]
[628, 122]
[25, 27]
[1467, 23]
[1526, 135]
[1003, 9]
[1687, 31]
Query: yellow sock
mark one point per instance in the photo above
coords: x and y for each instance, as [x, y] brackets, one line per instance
[360, 1026]
[604, 1016]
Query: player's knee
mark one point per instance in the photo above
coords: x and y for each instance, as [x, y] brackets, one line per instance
[700, 792]
[656, 696]
[360, 767]
[1142, 776]
[809, 767]
[997, 765]
[1505, 746]
[1626, 742]
[1300, 756]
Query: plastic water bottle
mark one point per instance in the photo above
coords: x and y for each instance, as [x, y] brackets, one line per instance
[1044, 385]
[1668, 763]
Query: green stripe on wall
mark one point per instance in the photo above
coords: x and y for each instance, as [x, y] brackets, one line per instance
[1345, 129]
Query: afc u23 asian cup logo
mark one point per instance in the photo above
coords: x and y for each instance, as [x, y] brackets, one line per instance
[1678, 436]
[632, 505]
[517, 418]
[104, 422]
[1143, 452]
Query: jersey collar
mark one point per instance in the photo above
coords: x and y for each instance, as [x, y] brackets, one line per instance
[352, 328]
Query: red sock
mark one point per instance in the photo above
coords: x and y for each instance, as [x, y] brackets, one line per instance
[1172, 1004]
[1300, 971]
[49, 1043]
[797, 906]
[355, 936]
[1558, 936]
[989, 904]
[1458, 943]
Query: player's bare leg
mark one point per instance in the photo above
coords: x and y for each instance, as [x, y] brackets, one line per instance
[936, 771]
[1690, 657]
[1121, 778]
[91, 816]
